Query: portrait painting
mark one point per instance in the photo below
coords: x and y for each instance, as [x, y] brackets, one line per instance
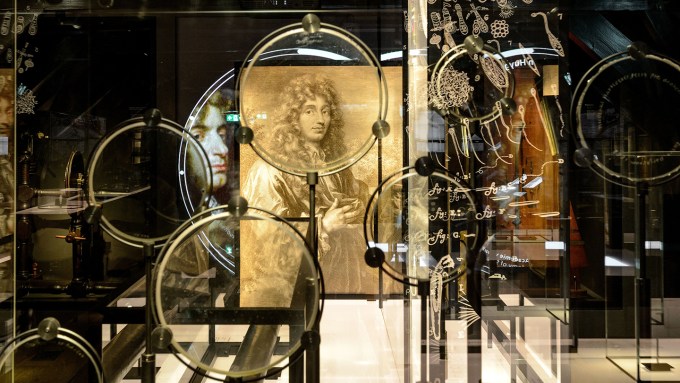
[318, 119]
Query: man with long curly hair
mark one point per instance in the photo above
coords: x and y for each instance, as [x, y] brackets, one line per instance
[308, 134]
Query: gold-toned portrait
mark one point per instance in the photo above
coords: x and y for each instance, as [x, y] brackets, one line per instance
[319, 119]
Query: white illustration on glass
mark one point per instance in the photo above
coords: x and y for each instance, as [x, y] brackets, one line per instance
[529, 60]
[461, 20]
[436, 287]
[534, 94]
[523, 203]
[481, 169]
[449, 28]
[478, 25]
[437, 24]
[491, 142]
[450, 43]
[558, 161]
[467, 140]
[6, 22]
[494, 71]
[19, 25]
[547, 214]
[33, 25]
[507, 9]
[25, 101]
[559, 108]
[436, 158]
[494, 41]
[446, 14]
[451, 89]
[522, 111]
[500, 29]
[24, 60]
[467, 313]
[552, 39]
[435, 40]
[456, 146]
[507, 128]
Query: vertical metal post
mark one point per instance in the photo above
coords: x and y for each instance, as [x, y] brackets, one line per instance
[423, 291]
[642, 294]
[148, 357]
[312, 358]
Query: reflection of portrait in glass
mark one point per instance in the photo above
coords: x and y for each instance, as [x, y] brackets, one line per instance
[6, 114]
[307, 128]
[6, 159]
[207, 249]
[212, 131]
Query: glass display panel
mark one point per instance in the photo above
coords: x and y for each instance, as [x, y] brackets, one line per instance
[553, 236]
[627, 134]
[243, 289]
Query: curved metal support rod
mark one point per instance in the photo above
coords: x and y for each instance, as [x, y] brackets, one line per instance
[119, 195]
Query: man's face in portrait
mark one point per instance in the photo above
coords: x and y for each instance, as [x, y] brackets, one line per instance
[211, 133]
[315, 119]
[6, 116]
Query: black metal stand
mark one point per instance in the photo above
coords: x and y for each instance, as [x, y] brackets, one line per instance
[312, 358]
[148, 357]
[643, 299]
[423, 292]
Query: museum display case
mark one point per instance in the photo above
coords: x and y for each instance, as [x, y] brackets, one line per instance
[188, 189]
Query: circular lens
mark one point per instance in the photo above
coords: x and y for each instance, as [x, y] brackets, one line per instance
[34, 355]
[626, 122]
[424, 224]
[312, 99]
[471, 82]
[249, 280]
[147, 180]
